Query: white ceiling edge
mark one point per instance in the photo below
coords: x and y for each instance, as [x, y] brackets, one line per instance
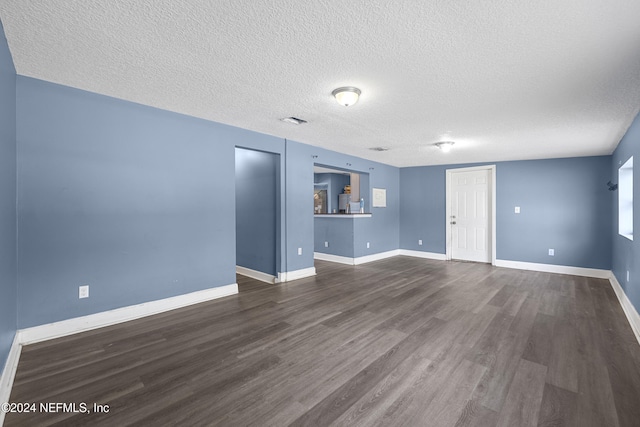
[504, 81]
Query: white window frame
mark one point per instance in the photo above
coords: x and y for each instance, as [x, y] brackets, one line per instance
[625, 199]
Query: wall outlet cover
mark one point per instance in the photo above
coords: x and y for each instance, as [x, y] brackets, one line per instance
[552, 252]
[326, 244]
[420, 242]
[83, 291]
[517, 209]
[299, 251]
[368, 245]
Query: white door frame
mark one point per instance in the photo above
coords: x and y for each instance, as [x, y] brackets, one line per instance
[492, 206]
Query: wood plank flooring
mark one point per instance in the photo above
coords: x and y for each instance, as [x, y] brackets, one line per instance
[402, 341]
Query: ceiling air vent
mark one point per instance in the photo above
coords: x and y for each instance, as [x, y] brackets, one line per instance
[293, 120]
[379, 149]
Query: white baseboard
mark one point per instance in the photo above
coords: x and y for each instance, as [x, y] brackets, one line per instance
[296, 274]
[333, 258]
[376, 257]
[426, 255]
[629, 310]
[9, 373]
[254, 274]
[355, 261]
[551, 268]
[119, 315]
[282, 276]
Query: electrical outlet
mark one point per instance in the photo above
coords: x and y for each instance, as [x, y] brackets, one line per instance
[517, 209]
[368, 245]
[326, 244]
[299, 251]
[552, 252]
[420, 242]
[83, 291]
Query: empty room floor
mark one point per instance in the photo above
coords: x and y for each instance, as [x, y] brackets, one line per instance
[402, 341]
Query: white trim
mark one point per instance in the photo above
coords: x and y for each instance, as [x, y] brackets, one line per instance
[376, 257]
[119, 315]
[492, 173]
[426, 255]
[9, 373]
[333, 258]
[355, 261]
[551, 268]
[288, 276]
[255, 274]
[629, 310]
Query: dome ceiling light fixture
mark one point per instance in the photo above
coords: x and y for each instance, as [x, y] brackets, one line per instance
[445, 146]
[347, 95]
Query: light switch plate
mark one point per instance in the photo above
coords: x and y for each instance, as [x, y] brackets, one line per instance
[517, 209]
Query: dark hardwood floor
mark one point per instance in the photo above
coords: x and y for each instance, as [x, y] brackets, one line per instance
[403, 341]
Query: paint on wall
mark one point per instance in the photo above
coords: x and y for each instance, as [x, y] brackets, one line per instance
[8, 263]
[338, 233]
[565, 206]
[381, 230]
[134, 201]
[625, 252]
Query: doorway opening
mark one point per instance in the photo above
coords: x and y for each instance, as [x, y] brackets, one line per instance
[471, 214]
[257, 182]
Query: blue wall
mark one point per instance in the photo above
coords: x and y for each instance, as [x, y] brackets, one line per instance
[626, 253]
[381, 230]
[565, 205]
[299, 206]
[338, 232]
[136, 202]
[422, 208]
[8, 262]
[131, 200]
[257, 210]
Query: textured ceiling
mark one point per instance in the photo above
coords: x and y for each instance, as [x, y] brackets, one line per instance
[504, 80]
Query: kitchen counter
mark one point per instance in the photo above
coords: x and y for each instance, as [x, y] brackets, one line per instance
[349, 215]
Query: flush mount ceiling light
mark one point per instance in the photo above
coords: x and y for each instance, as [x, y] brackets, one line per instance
[347, 95]
[445, 146]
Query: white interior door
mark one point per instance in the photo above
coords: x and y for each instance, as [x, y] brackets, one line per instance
[469, 215]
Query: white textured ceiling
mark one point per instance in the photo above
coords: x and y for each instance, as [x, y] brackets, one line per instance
[504, 80]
